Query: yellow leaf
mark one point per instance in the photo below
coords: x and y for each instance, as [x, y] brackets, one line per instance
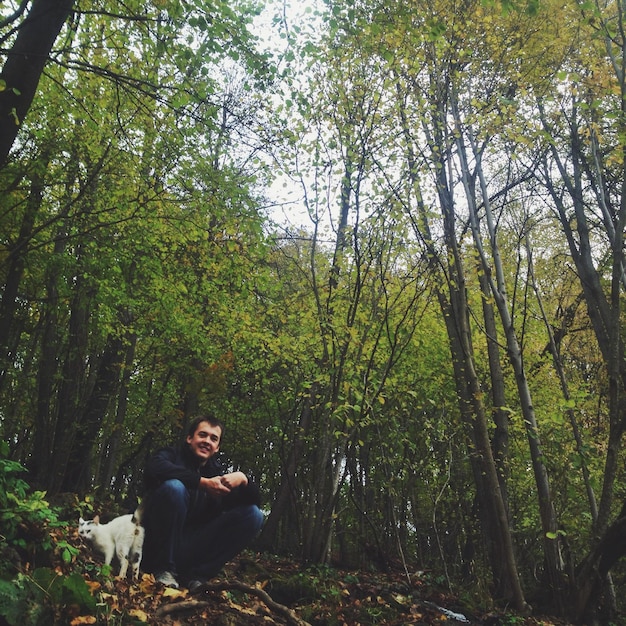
[170, 592]
[83, 619]
[142, 616]
[147, 584]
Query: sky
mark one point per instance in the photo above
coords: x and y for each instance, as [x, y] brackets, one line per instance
[280, 19]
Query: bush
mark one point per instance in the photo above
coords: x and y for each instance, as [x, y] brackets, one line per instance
[28, 522]
[26, 519]
[24, 515]
[44, 598]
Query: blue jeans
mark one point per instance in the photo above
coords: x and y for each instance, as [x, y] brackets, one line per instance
[197, 551]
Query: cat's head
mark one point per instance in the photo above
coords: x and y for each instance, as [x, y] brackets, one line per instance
[87, 527]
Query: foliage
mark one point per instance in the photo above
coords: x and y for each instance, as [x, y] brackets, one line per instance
[44, 597]
[139, 233]
[142, 280]
[30, 528]
[26, 518]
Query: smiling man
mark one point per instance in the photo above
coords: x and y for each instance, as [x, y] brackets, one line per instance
[197, 517]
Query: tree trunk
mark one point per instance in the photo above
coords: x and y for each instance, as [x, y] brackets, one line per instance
[48, 378]
[500, 441]
[285, 497]
[494, 272]
[114, 441]
[554, 349]
[456, 315]
[71, 391]
[502, 555]
[492, 511]
[16, 263]
[25, 62]
[77, 476]
[604, 312]
[592, 575]
[50, 381]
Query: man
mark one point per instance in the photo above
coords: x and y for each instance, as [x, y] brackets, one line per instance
[196, 516]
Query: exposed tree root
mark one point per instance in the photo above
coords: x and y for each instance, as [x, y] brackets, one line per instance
[193, 605]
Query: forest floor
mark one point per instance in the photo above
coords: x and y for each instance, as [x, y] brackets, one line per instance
[259, 589]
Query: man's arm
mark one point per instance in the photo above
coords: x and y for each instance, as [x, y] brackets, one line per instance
[243, 491]
[166, 465]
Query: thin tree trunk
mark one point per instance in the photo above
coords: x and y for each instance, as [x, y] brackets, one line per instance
[77, 475]
[286, 492]
[456, 315]
[48, 378]
[558, 366]
[491, 504]
[112, 448]
[473, 410]
[16, 262]
[495, 275]
[500, 414]
[71, 392]
[603, 312]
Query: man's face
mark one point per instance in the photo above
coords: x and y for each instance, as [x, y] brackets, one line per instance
[205, 442]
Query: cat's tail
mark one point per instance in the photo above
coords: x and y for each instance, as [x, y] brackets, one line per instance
[138, 514]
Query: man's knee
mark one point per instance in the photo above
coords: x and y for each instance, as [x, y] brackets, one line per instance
[171, 493]
[255, 519]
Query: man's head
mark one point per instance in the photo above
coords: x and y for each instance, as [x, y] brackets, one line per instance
[204, 437]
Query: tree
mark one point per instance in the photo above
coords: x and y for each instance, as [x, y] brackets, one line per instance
[585, 156]
[365, 295]
[34, 36]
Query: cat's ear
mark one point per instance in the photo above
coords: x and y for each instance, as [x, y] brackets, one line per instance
[81, 520]
[96, 519]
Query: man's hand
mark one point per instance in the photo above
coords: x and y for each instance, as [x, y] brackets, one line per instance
[235, 479]
[214, 485]
[223, 484]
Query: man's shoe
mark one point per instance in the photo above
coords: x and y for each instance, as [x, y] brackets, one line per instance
[168, 579]
[195, 586]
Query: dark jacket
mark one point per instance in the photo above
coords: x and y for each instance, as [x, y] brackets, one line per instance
[172, 463]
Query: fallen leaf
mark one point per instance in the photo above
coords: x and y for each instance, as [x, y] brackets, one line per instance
[83, 619]
[147, 583]
[170, 592]
[142, 616]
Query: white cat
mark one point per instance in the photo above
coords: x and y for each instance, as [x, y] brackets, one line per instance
[122, 536]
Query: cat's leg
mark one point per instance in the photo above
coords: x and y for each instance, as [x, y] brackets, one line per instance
[135, 559]
[122, 555]
[109, 551]
[137, 551]
[123, 565]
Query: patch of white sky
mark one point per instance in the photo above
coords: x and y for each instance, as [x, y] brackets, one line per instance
[282, 27]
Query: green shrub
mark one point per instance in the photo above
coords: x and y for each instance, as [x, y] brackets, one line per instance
[26, 519]
[44, 598]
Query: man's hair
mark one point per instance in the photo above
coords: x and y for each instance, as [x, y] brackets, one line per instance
[211, 419]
